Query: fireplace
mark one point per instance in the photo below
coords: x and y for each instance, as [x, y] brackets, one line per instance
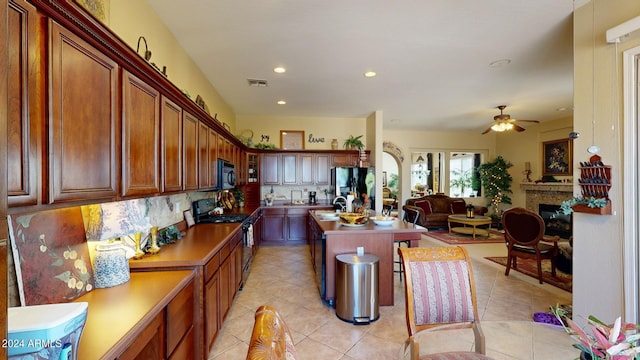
[555, 222]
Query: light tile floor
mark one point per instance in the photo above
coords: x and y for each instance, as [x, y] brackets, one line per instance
[283, 277]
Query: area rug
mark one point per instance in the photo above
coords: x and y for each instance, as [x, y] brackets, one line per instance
[528, 267]
[495, 236]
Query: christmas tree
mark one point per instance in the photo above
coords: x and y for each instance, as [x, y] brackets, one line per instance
[497, 181]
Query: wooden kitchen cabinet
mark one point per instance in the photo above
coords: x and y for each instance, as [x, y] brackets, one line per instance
[289, 169]
[306, 169]
[207, 157]
[25, 110]
[83, 120]
[171, 145]
[273, 225]
[211, 311]
[270, 169]
[140, 137]
[322, 169]
[297, 219]
[190, 151]
[180, 315]
[149, 344]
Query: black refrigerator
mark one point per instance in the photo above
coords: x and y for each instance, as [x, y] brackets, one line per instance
[362, 180]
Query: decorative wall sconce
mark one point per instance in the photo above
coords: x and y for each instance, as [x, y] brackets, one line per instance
[147, 55]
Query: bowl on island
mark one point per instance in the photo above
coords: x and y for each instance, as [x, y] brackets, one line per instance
[328, 215]
[353, 218]
[383, 220]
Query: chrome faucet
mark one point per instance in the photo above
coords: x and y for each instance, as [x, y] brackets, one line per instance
[344, 201]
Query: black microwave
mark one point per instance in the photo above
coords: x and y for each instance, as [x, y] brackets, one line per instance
[226, 175]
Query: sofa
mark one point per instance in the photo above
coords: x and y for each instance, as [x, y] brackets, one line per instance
[434, 210]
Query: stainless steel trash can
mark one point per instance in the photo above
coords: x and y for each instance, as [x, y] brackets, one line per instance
[357, 288]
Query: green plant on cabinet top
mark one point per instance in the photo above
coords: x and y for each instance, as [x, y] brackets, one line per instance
[353, 143]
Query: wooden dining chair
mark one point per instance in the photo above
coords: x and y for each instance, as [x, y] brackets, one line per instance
[440, 295]
[524, 238]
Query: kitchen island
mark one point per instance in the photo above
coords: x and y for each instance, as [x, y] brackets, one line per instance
[328, 238]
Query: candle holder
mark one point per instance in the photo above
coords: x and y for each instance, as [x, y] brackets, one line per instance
[527, 173]
[154, 249]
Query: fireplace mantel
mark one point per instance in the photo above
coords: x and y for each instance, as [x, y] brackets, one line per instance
[546, 193]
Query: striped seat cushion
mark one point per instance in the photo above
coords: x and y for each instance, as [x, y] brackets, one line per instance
[441, 292]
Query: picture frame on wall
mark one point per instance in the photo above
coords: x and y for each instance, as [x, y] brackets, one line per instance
[292, 140]
[557, 157]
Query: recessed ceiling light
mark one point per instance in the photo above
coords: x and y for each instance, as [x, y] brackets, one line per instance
[281, 102]
[370, 74]
[499, 63]
[279, 70]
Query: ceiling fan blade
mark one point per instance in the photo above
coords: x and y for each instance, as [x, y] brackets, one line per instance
[518, 128]
[529, 121]
[486, 131]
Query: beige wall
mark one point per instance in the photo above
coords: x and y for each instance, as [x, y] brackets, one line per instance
[598, 240]
[322, 128]
[519, 148]
[132, 19]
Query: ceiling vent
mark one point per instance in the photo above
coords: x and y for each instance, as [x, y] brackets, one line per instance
[257, 83]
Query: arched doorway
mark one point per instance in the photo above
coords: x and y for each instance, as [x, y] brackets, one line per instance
[392, 158]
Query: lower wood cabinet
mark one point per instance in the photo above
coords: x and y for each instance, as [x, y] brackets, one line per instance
[286, 224]
[149, 344]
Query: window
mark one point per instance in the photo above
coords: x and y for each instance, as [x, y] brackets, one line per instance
[453, 173]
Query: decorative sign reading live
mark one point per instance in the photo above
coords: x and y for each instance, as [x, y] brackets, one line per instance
[311, 139]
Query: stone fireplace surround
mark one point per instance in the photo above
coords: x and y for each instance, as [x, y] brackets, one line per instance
[546, 193]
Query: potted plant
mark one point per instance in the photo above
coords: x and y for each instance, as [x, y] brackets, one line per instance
[496, 180]
[614, 341]
[583, 204]
[353, 143]
[462, 180]
[239, 195]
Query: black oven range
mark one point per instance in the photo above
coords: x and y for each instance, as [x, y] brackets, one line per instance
[203, 213]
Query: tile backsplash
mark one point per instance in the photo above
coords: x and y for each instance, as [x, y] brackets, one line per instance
[112, 220]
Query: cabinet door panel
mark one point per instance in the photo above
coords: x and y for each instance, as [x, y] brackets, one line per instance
[171, 122]
[213, 158]
[140, 137]
[83, 120]
[190, 138]
[289, 169]
[211, 296]
[322, 169]
[269, 169]
[306, 169]
[25, 113]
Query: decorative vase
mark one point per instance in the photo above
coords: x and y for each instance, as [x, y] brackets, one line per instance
[111, 267]
[585, 356]
[334, 144]
[139, 253]
[154, 240]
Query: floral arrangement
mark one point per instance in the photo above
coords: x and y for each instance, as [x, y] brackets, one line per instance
[617, 341]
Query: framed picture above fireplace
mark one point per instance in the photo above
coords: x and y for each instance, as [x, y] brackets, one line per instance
[556, 157]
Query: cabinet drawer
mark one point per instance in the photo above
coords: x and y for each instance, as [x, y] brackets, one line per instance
[212, 266]
[179, 317]
[298, 211]
[225, 251]
[186, 348]
[148, 344]
[276, 211]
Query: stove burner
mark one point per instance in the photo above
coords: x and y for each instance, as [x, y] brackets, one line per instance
[203, 213]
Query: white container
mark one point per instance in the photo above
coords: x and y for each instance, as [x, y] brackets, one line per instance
[49, 331]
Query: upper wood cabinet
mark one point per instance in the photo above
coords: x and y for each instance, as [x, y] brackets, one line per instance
[83, 120]
[322, 169]
[207, 157]
[270, 169]
[140, 137]
[25, 112]
[190, 140]
[289, 169]
[171, 145]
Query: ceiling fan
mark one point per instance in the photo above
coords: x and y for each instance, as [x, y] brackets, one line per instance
[504, 122]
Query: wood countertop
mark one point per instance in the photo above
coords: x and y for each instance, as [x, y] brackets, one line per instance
[200, 243]
[333, 226]
[117, 315]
